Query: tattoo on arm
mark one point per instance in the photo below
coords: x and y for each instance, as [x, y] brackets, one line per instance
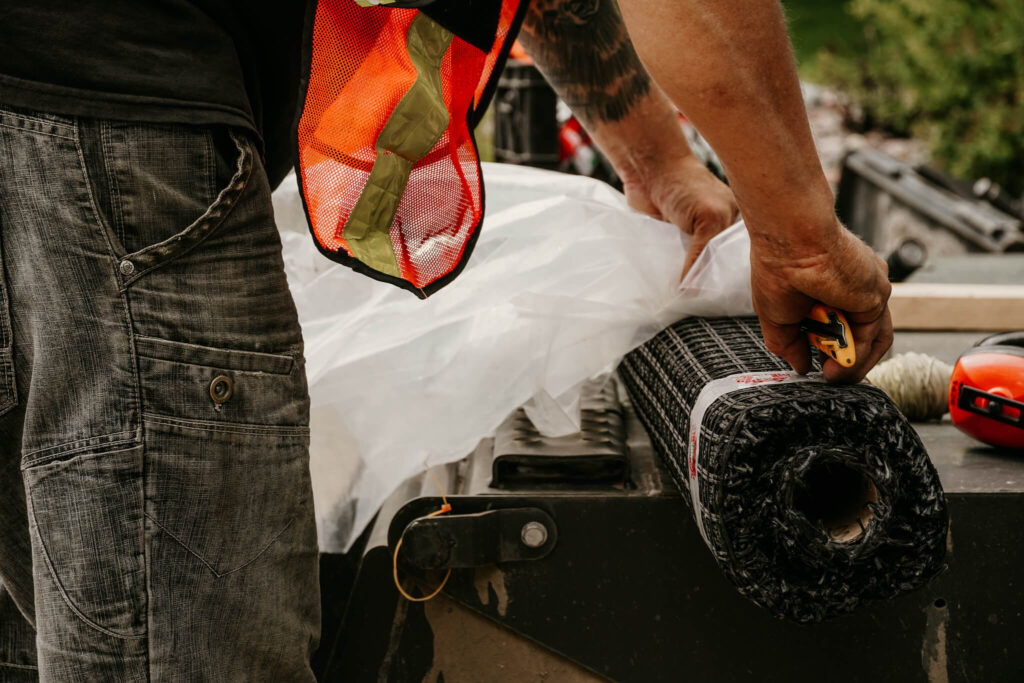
[583, 50]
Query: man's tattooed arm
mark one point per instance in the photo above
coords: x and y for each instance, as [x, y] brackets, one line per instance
[583, 50]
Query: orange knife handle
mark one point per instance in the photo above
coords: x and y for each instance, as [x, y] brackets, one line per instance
[847, 356]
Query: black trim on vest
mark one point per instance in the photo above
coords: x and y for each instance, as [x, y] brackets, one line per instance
[475, 21]
[499, 66]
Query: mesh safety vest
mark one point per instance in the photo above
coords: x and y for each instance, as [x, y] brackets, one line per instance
[387, 164]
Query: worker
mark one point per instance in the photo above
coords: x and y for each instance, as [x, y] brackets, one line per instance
[155, 507]
[728, 66]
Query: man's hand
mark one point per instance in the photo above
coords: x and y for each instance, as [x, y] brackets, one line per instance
[686, 194]
[583, 49]
[735, 80]
[838, 270]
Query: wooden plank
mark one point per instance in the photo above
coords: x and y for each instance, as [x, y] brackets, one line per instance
[935, 306]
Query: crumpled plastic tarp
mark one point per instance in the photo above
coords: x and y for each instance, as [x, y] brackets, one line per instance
[565, 279]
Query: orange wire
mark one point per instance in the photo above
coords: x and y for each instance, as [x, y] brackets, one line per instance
[445, 507]
[444, 498]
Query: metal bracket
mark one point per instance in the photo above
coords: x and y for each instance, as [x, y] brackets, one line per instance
[473, 540]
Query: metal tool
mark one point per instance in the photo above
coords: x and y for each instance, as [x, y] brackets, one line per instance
[829, 331]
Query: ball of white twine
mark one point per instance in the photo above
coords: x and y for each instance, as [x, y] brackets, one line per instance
[917, 384]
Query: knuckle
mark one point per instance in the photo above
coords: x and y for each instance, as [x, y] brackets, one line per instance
[709, 216]
[885, 290]
[775, 345]
[877, 298]
[883, 266]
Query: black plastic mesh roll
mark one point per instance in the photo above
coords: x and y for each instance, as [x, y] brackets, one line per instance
[813, 497]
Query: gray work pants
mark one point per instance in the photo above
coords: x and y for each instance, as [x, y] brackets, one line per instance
[156, 521]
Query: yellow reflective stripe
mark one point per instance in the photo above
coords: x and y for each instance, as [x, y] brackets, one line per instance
[414, 127]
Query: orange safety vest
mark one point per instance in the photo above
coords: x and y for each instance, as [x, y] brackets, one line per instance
[387, 163]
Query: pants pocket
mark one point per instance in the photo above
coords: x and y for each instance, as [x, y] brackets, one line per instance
[226, 437]
[225, 492]
[241, 389]
[87, 518]
[8, 389]
[160, 191]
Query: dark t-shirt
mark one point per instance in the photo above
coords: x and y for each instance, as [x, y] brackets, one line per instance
[173, 61]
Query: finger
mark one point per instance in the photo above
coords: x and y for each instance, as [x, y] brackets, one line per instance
[871, 341]
[880, 344]
[704, 229]
[789, 343]
[639, 201]
[693, 253]
[735, 215]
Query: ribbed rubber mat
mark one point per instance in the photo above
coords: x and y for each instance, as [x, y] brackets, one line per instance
[813, 497]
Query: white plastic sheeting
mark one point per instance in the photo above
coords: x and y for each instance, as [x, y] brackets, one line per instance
[565, 279]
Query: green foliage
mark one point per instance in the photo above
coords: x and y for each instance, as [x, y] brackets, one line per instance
[817, 25]
[947, 71]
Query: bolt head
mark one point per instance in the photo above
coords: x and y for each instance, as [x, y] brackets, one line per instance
[534, 534]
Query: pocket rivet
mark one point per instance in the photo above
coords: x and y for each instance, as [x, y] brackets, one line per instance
[126, 267]
[221, 389]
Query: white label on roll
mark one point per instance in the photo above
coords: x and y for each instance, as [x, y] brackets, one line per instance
[711, 392]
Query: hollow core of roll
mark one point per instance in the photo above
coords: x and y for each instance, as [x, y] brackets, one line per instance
[835, 497]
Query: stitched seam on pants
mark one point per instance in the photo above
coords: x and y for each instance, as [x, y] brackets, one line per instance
[63, 593]
[211, 165]
[36, 131]
[116, 218]
[228, 427]
[213, 357]
[8, 383]
[147, 592]
[199, 557]
[97, 215]
[147, 566]
[5, 307]
[112, 245]
[10, 118]
[65, 451]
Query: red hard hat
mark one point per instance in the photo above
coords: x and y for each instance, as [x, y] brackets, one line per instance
[986, 393]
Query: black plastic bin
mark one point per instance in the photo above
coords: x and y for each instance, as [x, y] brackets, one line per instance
[525, 123]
